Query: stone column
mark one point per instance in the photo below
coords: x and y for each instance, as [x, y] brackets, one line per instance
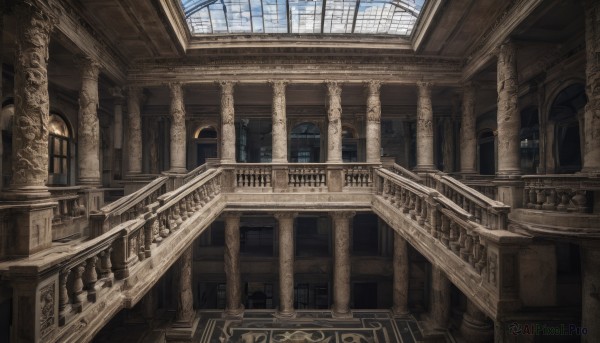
[134, 131]
[341, 264]
[401, 276]
[475, 326]
[233, 291]
[286, 264]
[468, 136]
[334, 128]
[373, 135]
[185, 314]
[118, 131]
[88, 125]
[508, 118]
[440, 299]
[227, 122]
[590, 284]
[30, 122]
[424, 128]
[591, 149]
[279, 136]
[178, 141]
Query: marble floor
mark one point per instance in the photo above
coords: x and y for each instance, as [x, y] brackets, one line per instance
[308, 326]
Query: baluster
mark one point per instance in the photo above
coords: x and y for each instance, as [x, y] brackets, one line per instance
[78, 296]
[182, 209]
[386, 188]
[189, 199]
[564, 201]
[482, 261]
[414, 206]
[457, 238]
[392, 195]
[203, 196]
[540, 198]
[423, 220]
[149, 235]
[532, 198]
[398, 198]
[468, 249]
[407, 201]
[90, 277]
[165, 228]
[475, 251]
[175, 214]
[323, 182]
[268, 180]
[434, 218]
[63, 296]
[445, 228]
[550, 203]
[106, 264]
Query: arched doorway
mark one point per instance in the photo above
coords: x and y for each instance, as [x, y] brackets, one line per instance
[59, 151]
[305, 143]
[566, 107]
[529, 136]
[206, 144]
[486, 152]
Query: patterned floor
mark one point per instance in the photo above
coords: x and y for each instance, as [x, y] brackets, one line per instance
[308, 326]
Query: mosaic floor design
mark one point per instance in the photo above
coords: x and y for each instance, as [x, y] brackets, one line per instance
[308, 326]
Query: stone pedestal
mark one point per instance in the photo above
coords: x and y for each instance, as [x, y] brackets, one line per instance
[373, 135]
[227, 122]
[424, 129]
[401, 276]
[468, 136]
[440, 300]
[33, 227]
[335, 178]
[279, 178]
[590, 284]
[341, 265]
[88, 126]
[178, 136]
[508, 117]
[35, 308]
[510, 192]
[475, 326]
[279, 136]
[233, 291]
[134, 132]
[286, 264]
[334, 122]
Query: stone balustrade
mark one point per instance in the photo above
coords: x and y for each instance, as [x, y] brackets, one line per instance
[70, 215]
[562, 193]
[490, 213]
[445, 230]
[307, 175]
[253, 175]
[483, 184]
[358, 175]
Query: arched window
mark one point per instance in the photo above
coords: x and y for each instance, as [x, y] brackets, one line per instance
[206, 144]
[486, 149]
[305, 143]
[567, 138]
[58, 151]
[529, 135]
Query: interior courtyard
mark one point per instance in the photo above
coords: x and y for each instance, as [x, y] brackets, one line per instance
[300, 171]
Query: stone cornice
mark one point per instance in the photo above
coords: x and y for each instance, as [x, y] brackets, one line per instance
[75, 31]
[485, 46]
[425, 21]
[173, 18]
[406, 69]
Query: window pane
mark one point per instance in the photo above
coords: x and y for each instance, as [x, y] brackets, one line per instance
[56, 165]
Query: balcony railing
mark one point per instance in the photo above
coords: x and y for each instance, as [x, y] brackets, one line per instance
[563, 193]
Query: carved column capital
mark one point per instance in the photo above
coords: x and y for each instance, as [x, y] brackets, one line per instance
[424, 86]
[373, 87]
[231, 215]
[285, 215]
[227, 86]
[116, 92]
[90, 68]
[343, 215]
[334, 88]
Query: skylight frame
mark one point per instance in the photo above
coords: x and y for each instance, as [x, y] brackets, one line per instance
[393, 18]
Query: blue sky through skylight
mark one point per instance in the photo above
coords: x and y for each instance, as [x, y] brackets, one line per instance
[384, 17]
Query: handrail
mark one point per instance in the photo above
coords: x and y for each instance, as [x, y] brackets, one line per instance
[400, 170]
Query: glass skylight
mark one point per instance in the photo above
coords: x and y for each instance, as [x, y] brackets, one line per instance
[384, 17]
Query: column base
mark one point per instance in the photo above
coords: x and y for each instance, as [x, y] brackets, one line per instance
[400, 313]
[425, 168]
[25, 193]
[234, 314]
[182, 334]
[474, 331]
[178, 170]
[285, 315]
[341, 315]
